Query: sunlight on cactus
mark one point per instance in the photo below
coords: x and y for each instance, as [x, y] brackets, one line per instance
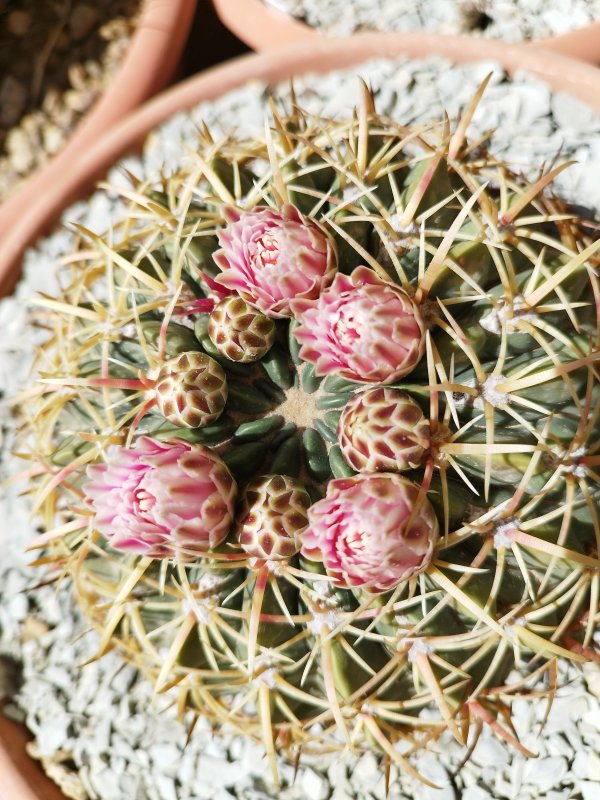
[385, 344]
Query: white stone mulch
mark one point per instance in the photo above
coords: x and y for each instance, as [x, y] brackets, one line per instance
[509, 20]
[99, 727]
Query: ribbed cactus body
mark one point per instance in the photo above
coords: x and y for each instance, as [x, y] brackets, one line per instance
[413, 432]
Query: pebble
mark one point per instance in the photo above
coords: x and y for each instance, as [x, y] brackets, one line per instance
[107, 784]
[18, 607]
[573, 115]
[166, 788]
[545, 773]
[476, 793]
[217, 772]
[222, 794]
[18, 146]
[166, 757]
[338, 772]
[490, 753]
[592, 766]
[557, 745]
[592, 670]
[503, 787]
[252, 760]
[592, 717]
[430, 767]
[562, 708]
[52, 738]
[186, 767]
[516, 771]
[579, 767]
[366, 771]
[589, 789]
[314, 785]
[340, 793]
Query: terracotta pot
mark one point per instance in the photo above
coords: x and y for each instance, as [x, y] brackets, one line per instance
[148, 66]
[263, 27]
[320, 55]
[21, 778]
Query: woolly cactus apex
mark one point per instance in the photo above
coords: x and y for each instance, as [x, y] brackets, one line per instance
[270, 257]
[239, 331]
[191, 390]
[272, 515]
[371, 531]
[383, 430]
[362, 328]
[162, 499]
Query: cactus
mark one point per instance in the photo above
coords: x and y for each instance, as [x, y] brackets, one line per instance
[413, 441]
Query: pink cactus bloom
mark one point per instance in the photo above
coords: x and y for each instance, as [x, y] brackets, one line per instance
[271, 257]
[371, 531]
[215, 292]
[162, 499]
[362, 328]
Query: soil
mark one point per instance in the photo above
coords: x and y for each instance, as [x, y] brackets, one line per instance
[56, 57]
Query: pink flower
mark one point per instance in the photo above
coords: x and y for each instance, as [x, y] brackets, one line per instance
[371, 531]
[215, 292]
[162, 499]
[271, 257]
[362, 328]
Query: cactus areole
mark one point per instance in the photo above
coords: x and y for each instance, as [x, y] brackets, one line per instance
[326, 455]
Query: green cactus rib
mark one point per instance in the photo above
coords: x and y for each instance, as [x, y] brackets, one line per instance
[506, 279]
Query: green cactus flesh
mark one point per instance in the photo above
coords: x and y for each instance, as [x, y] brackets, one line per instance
[506, 278]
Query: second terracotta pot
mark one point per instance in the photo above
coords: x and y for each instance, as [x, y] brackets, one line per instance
[264, 27]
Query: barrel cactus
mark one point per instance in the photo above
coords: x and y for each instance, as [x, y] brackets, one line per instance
[324, 454]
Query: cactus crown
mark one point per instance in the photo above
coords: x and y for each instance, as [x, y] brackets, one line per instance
[406, 397]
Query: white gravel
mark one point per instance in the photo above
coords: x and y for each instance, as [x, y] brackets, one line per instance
[509, 20]
[126, 744]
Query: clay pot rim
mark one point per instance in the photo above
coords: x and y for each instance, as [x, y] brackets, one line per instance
[265, 27]
[147, 67]
[560, 72]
